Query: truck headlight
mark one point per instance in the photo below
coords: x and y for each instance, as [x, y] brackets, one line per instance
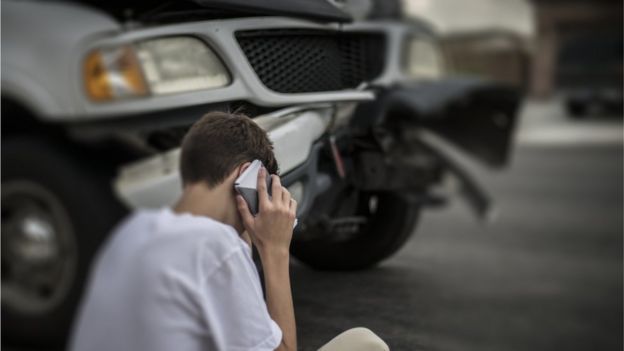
[178, 64]
[423, 59]
[156, 66]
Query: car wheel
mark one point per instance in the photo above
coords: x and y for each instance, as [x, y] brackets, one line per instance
[362, 229]
[55, 213]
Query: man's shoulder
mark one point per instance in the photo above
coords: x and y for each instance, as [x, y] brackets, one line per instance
[164, 223]
[191, 227]
[183, 236]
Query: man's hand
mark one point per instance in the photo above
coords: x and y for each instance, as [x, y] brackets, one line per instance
[271, 229]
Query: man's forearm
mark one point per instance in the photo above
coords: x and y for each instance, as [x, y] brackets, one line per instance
[275, 264]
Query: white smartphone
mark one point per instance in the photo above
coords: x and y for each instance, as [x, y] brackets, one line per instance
[247, 186]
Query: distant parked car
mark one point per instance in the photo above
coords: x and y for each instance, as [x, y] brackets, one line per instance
[590, 73]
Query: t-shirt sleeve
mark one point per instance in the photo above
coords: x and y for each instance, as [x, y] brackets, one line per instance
[234, 307]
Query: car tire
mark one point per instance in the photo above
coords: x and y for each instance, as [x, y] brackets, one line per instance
[386, 231]
[56, 210]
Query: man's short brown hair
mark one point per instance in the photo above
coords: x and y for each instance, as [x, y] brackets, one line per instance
[218, 143]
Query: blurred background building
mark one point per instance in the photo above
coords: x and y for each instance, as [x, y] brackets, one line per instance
[576, 33]
[560, 44]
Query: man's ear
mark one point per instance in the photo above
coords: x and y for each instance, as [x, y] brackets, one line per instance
[242, 168]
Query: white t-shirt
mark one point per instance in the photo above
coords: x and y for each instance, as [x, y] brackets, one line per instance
[165, 281]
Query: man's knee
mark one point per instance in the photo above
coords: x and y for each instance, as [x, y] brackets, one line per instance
[361, 339]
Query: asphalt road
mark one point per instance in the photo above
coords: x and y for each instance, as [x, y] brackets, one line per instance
[546, 275]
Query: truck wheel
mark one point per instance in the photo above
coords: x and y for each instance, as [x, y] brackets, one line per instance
[362, 230]
[55, 213]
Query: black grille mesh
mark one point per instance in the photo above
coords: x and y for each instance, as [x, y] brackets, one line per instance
[300, 61]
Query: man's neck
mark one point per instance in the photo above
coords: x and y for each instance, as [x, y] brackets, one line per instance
[201, 200]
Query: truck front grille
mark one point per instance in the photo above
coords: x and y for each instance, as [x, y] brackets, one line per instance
[303, 61]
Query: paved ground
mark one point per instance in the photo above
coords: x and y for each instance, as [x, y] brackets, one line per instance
[547, 275]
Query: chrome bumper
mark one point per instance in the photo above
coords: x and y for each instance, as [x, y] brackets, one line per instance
[155, 181]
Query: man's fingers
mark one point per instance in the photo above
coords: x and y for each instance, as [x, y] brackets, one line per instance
[293, 206]
[285, 197]
[276, 185]
[263, 195]
[243, 209]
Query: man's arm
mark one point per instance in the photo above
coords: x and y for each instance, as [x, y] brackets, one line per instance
[271, 232]
[278, 295]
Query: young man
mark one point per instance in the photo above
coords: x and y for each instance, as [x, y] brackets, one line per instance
[183, 278]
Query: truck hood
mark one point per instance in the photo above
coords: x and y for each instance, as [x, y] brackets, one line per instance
[185, 10]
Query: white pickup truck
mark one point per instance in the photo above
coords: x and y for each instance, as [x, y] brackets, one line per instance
[96, 98]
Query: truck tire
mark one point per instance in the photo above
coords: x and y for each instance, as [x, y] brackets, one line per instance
[388, 226]
[55, 213]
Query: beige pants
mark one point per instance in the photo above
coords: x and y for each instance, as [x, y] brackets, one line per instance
[356, 339]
